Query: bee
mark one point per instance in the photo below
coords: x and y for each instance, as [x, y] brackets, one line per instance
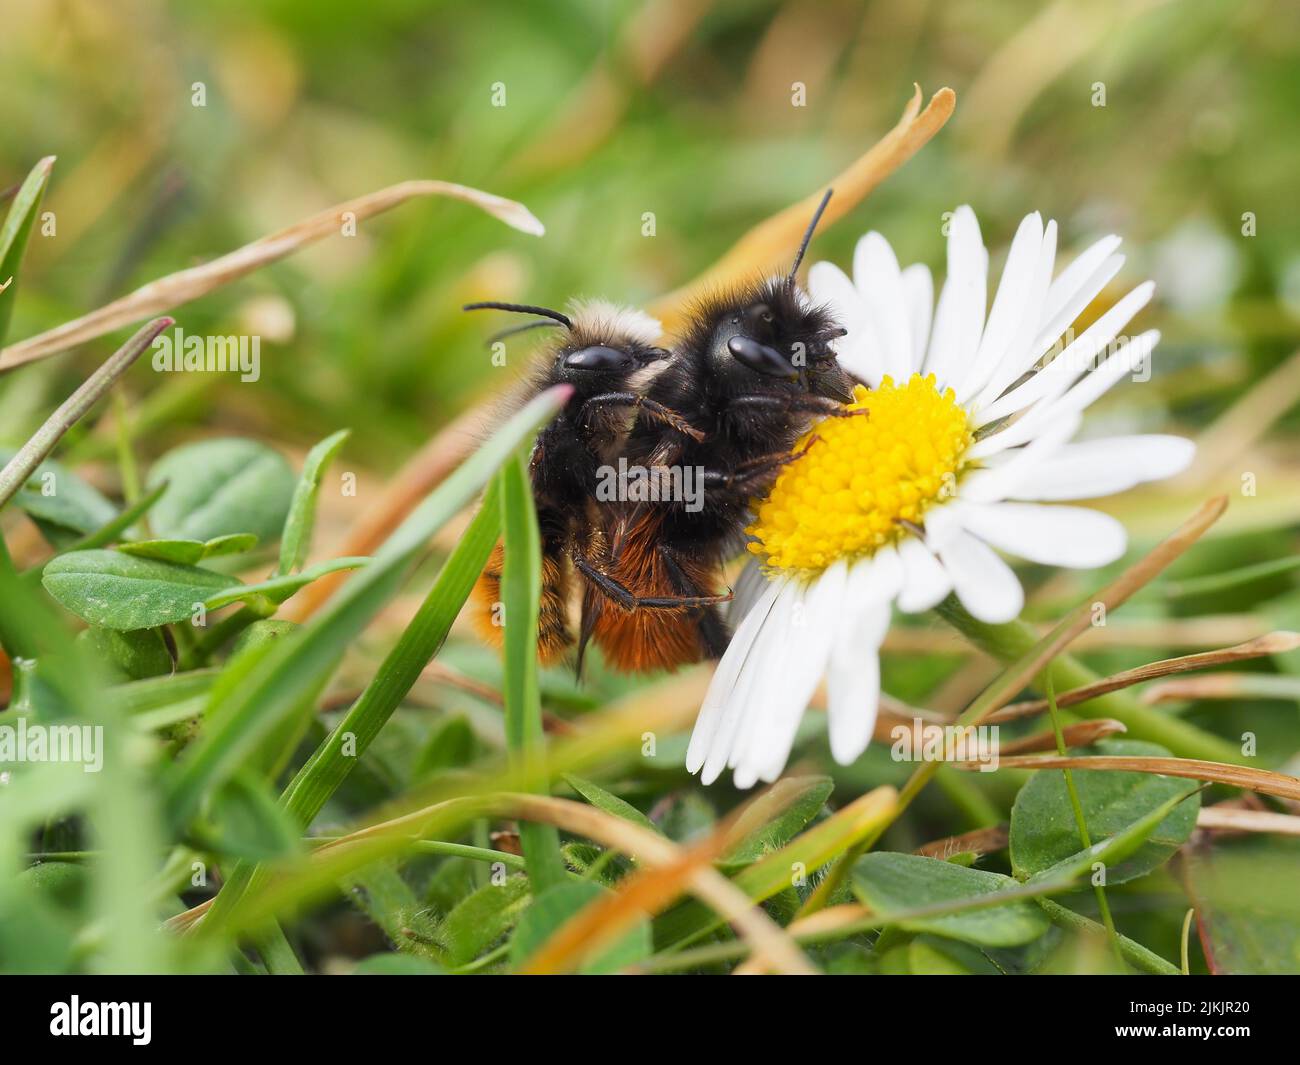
[608, 354]
[754, 366]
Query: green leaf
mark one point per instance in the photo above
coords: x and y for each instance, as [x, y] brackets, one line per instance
[135, 654]
[1247, 905]
[263, 631]
[231, 544]
[184, 552]
[452, 745]
[480, 919]
[555, 906]
[63, 883]
[1112, 851]
[891, 883]
[798, 799]
[221, 487]
[296, 539]
[397, 965]
[1044, 832]
[189, 552]
[61, 503]
[14, 234]
[244, 821]
[278, 589]
[610, 803]
[119, 591]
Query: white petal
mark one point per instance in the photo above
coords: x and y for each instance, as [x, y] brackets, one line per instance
[1050, 535]
[750, 586]
[959, 318]
[1095, 468]
[1078, 356]
[925, 581]
[805, 664]
[761, 716]
[829, 285]
[880, 287]
[1010, 306]
[1057, 320]
[1007, 471]
[1079, 397]
[1022, 353]
[853, 687]
[874, 579]
[919, 289]
[744, 705]
[705, 738]
[983, 582]
[1078, 277]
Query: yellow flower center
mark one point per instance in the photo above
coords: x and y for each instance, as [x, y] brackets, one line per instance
[856, 486]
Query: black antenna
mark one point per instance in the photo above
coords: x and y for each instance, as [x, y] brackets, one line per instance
[514, 329]
[521, 308]
[808, 233]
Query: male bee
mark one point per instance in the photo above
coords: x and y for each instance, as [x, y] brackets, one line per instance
[607, 354]
[754, 367]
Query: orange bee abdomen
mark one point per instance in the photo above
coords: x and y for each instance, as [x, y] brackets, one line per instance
[646, 639]
[488, 613]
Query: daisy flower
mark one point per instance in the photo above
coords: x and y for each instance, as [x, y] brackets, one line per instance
[966, 451]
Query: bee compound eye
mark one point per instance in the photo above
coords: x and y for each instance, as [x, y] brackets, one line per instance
[597, 357]
[761, 358]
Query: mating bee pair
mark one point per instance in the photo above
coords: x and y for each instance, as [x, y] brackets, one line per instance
[732, 397]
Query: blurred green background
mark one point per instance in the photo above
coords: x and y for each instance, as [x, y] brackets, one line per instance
[678, 107]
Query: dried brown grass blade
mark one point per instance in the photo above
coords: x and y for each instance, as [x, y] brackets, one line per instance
[183, 286]
[1228, 819]
[1083, 734]
[73, 409]
[771, 244]
[980, 841]
[1222, 686]
[1270, 644]
[1236, 776]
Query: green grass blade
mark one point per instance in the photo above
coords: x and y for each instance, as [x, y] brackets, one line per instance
[14, 234]
[521, 589]
[296, 539]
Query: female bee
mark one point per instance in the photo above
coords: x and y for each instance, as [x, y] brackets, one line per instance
[607, 354]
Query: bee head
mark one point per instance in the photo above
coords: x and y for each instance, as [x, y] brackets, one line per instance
[775, 334]
[602, 341]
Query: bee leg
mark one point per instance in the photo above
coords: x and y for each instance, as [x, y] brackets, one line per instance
[711, 631]
[799, 404]
[628, 600]
[633, 399]
[752, 471]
